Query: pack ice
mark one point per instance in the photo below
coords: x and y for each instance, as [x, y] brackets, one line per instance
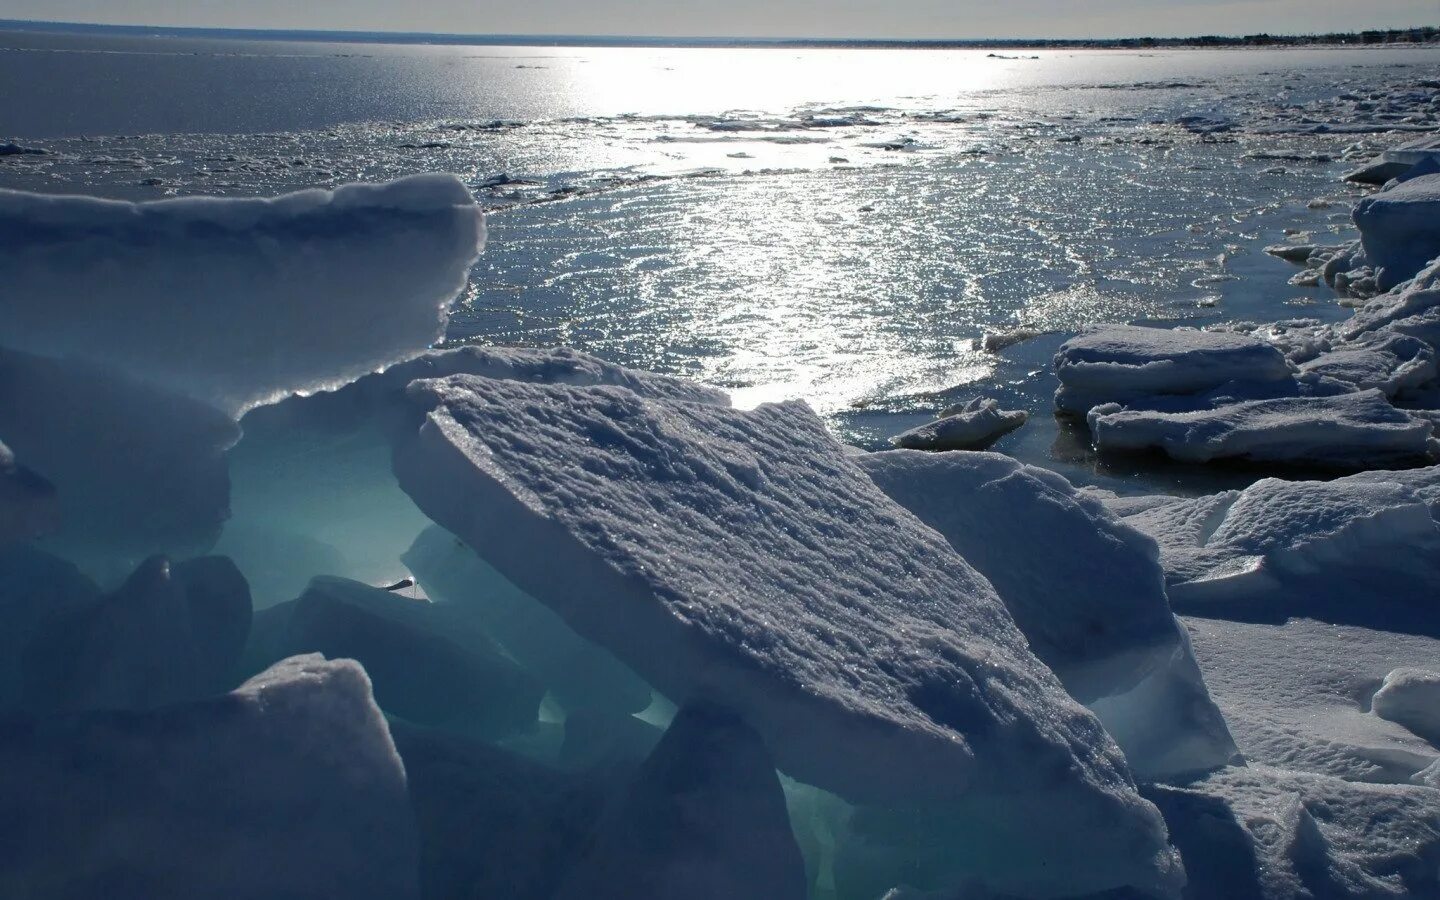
[740, 558]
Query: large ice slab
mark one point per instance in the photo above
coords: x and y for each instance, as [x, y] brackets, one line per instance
[1299, 695]
[1267, 833]
[1400, 228]
[289, 787]
[742, 557]
[1356, 430]
[1114, 363]
[237, 301]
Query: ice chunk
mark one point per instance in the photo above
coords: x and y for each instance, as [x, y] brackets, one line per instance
[28, 508]
[579, 674]
[312, 488]
[171, 633]
[1272, 834]
[703, 818]
[1388, 360]
[1416, 297]
[1411, 697]
[1359, 429]
[1108, 363]
[289, 787]
[237, 301]
[160, 484]
[1400, 228]
[973, 426]
[742, 557]
[36, 588]
[1092, 605]
[1296, 695]
[420, 670]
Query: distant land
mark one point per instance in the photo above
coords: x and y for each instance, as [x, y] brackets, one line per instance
[1418, 35]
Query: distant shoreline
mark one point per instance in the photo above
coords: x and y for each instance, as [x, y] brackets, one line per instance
[1420, 35]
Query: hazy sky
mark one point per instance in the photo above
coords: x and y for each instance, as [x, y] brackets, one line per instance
[747, 18]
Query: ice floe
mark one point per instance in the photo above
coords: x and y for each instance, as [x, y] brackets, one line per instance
[971, 426]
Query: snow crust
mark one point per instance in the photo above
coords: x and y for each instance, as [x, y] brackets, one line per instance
[288, 787]
[235, 302]
[889, 671]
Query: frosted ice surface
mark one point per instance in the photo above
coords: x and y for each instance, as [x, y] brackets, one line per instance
[288, 787]
[1356, 429]
[742, 557]
[1109, 363]
[237, 301]
[970, 427]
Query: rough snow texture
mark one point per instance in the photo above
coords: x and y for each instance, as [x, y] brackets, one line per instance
[1400, 228]
[1261, 832]
[974, 426]
[1115, 363]
[137, 470]
[289, 787]
[1298, 695]
[1349, 548]
[704, 817]
[237, 301]
[312, 491]
[743, 558]
[1359, 429]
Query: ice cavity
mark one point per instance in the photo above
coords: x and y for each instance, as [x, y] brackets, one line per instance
[237, 301]
[757, 567]
[288, 787]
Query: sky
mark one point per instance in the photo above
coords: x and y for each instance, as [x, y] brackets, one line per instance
[939, 19]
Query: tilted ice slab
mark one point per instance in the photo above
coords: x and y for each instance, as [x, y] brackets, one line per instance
[237, 301]
[1086, 590]
[1110, 363]
[1348, 547]
[1268, 833]
[1354, 429]
[970, 427]
[288, 787]
[312, 490]
[741, 557]
[1299, 695]
[1400, 228]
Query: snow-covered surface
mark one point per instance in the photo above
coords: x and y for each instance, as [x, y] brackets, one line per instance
[288, 787]
[1411, 698]
[1114, 363]
[1352, 430]
[1400, 228]
[888, 671]
[237, 301]
[972, 426]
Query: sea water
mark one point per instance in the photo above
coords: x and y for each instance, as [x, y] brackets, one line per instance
[840, 226]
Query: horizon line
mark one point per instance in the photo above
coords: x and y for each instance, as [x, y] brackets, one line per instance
[343, 35]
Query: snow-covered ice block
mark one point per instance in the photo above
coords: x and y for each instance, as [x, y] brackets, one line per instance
[492, 823]
[1299, 694]
[704, 817]
[1418, 296]
[1271, 834]
[289, 787]
[1389, 361]
[312, 491]
[421, 668]
[137, 470]
[237, 301]
[1346, 547]
[1357, 429]
[28, 507]
[579, 674]
[1400, 228]
[742, 557]
[1092, 605]
[171, 633]
[1110, 363]
[973, 426]
[1411, 697]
